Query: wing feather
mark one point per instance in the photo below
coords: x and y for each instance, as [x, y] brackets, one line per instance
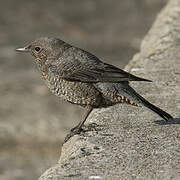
[88, 68]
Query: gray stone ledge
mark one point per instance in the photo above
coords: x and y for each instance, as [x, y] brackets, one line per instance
[130, 142]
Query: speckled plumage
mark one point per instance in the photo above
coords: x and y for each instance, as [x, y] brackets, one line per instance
[81, 78]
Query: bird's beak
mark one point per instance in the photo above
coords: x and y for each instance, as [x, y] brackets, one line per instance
[23, 49]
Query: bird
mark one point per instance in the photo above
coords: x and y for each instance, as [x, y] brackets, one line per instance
[81, 78]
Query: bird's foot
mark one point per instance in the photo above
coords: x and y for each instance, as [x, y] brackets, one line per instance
[74, 131]
[78, 130]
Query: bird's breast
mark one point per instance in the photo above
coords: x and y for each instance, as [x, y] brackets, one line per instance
[74, 92]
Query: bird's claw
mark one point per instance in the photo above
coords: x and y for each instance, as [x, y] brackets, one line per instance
[74, 131]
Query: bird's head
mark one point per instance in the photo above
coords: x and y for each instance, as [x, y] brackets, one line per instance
[44, 49]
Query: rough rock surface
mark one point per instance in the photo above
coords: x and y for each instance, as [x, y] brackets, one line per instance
[130, 142]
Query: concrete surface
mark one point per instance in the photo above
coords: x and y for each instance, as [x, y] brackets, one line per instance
[129, 142]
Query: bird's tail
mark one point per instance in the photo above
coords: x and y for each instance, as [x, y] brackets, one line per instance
[139, 99]
[155, 109]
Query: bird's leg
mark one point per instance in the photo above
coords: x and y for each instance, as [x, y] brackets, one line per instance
[77, 129]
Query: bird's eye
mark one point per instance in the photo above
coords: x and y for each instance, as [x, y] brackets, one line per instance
[37, 49]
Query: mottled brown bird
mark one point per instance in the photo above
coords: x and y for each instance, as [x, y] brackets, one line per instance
[79, 77]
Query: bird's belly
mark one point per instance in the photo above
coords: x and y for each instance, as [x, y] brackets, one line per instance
[75, 92]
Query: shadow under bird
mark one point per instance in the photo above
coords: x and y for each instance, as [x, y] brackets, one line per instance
[79, 77]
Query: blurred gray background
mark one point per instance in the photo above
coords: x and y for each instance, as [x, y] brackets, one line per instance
[33, 122]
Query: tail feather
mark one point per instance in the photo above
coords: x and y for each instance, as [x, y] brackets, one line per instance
[155, 109]
[139, 99]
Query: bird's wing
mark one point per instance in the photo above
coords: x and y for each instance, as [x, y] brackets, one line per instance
[89, 68]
